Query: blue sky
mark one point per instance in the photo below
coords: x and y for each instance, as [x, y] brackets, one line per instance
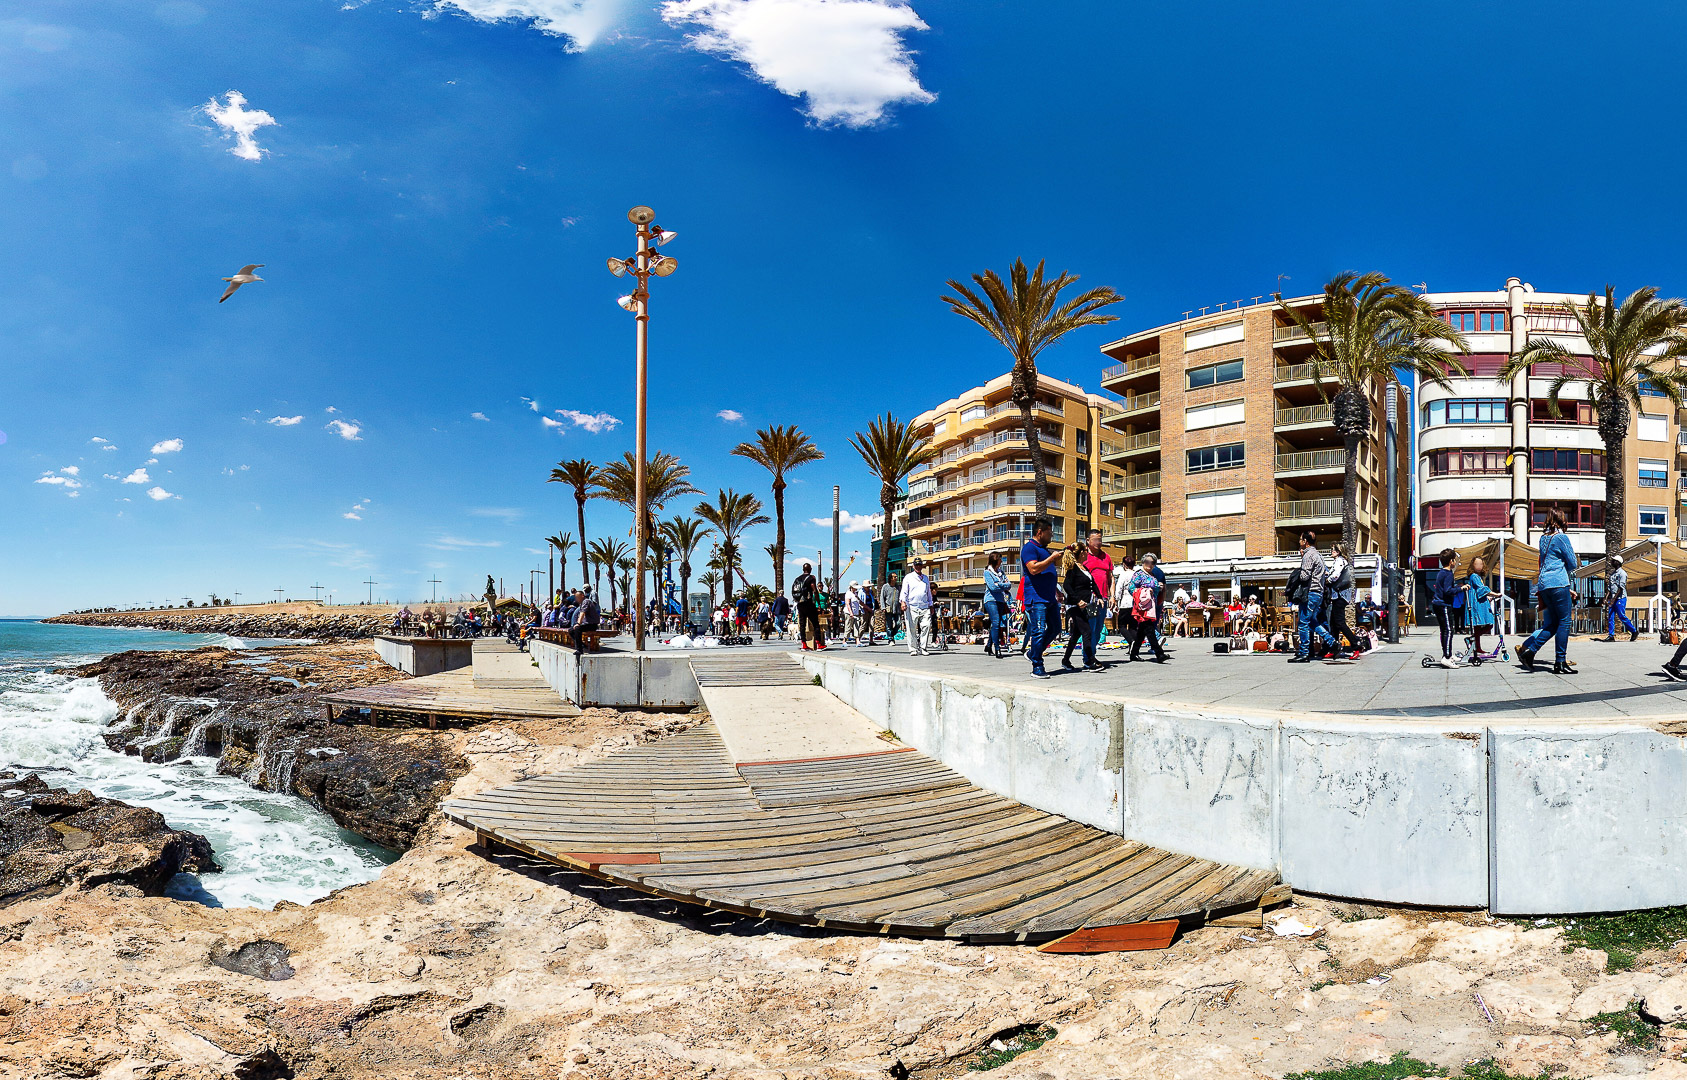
[440, 187]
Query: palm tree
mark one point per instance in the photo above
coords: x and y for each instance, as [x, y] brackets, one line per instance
[892, 451]
[626, 565]
[583, 477]
[779, 450]
[664, 481]
[608, 553]
[1372, 330]
[731, 513]
[1026, 315]
[684, 534]
[709, 579]
[563, 543]
[1634, 346]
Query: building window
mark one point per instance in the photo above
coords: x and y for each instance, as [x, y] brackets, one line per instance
[1567, 462]
[1470, 322]
[1083, 504]
[1481, 365]
[1456, 462]
[1465, 514]
[973, 412]
[1652, 428]
[1082, 441]
[1208, 336]
[1218, 547]
[1577, 515]
[1464, 411]
[1654, 473]
[1569, 412]
[1654, 520]
[1215, 503]
[1206, 416]
[1083, 472]
[1648, 388]
[1207, 459]
[1214, 374]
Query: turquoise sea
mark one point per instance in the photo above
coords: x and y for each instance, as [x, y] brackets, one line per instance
[271, 846]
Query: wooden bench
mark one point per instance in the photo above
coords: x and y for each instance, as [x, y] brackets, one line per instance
[564, 636]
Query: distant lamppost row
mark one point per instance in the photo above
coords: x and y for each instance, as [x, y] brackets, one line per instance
[642, 263]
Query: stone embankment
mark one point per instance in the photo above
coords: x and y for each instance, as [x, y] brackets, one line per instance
[257, 711]
[52, 840]
[323, 625]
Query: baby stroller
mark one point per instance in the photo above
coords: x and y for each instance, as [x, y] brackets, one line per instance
[1467, 656]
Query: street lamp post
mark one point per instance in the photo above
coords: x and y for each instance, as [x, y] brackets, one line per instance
[644, 262]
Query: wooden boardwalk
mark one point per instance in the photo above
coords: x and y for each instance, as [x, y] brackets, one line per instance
[502, 684]
[886, 842]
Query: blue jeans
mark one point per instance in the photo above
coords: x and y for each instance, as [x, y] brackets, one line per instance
[1092, 640]
[1619, 610]
[1039, 631]
[1309, 623]
[1555, 622]
[993, 610]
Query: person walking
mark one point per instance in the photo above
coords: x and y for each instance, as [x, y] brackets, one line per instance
[780, 610]
[1616, 595]
[1343, 595]
[996, 605]
[1552, 586]
[1443, 593]
[806, 592]
[890, 602]
[852, 614]
[1042, 612]
[1479, 613]
[1083, 606]
[916, 598]
[1312, 637]
[1119, 596]
[1143, 590]
[1099, 564]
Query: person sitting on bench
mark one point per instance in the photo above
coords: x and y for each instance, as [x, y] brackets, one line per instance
[585, 619]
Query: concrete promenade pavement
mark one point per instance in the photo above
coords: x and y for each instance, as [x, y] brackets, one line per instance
[1616, 681]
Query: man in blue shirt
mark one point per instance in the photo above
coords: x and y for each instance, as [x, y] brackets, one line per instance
[1038, 563]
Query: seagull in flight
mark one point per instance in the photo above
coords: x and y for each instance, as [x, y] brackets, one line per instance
[244, 277]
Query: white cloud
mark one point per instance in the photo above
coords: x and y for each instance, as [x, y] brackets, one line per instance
[356, 512]
[850, 523]
[580, 21]
[457, 543]
[71, 470]
[96, 438]
[69, 483]
[846, 58]
[509, 514]
[108, 446]
[731, 416]
[111, 476]
[237, 120]
[150, 461]
[531, 404]
[592, 422]
[480, 416]
[284, 421]
[548, 422]
[168, 446]
[345, 430]
[139, 476]
[158, 494]
[332, 409]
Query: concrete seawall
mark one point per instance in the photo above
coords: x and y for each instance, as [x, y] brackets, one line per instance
[1521, 816]
[614, 679]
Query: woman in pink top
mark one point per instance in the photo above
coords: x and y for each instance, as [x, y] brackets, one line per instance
[1100, 567]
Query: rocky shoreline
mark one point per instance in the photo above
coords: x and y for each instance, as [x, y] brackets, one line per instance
[324, 625]
[257, 712]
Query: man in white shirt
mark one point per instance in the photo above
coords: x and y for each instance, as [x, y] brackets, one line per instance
[854, 609]
[916, 600]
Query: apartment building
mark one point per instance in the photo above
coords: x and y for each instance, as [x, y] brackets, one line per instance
[1492, 457]
[978, 495]
[1217, 447]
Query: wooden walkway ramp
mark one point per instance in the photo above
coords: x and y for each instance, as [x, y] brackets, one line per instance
[890, 841]
[501, 684]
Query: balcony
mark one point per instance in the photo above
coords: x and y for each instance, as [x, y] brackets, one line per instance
[1309, 512]
[1681, 443]
[1131, 405]
[1131, 444]
[1303, 416]
[1134, 528]
[931, 493]
[1311, 461]
[1142, 365]
[1291, 373]
[1286, 335]
[1127, 486]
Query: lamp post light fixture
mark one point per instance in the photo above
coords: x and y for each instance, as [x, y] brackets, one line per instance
[641, 264]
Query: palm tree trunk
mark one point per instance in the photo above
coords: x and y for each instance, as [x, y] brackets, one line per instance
[685, 590]
[1025, 396]
[887, 502]
[1615, 503]
[580, 508]
[562, 565]
[1350, 495]
[779, 533]
[550, 574]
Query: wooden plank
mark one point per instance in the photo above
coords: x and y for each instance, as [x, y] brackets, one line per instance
[1121, 937]
[624, 858]
[742, 765]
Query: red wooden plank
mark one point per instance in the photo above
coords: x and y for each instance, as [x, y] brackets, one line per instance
[1126, 937]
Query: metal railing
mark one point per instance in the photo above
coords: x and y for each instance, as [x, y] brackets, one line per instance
[1298, 333]
[1131, 403]
[1311, 460]
[1131, 483]
[1131, 443]
[1285, 373]
[1308, 510]
[1141, 525]
[1303, 414]
[1131, 367]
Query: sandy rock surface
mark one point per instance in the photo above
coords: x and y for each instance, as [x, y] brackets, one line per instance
[456, 964]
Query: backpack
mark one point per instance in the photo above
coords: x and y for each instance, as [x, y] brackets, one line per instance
[1142, 603]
